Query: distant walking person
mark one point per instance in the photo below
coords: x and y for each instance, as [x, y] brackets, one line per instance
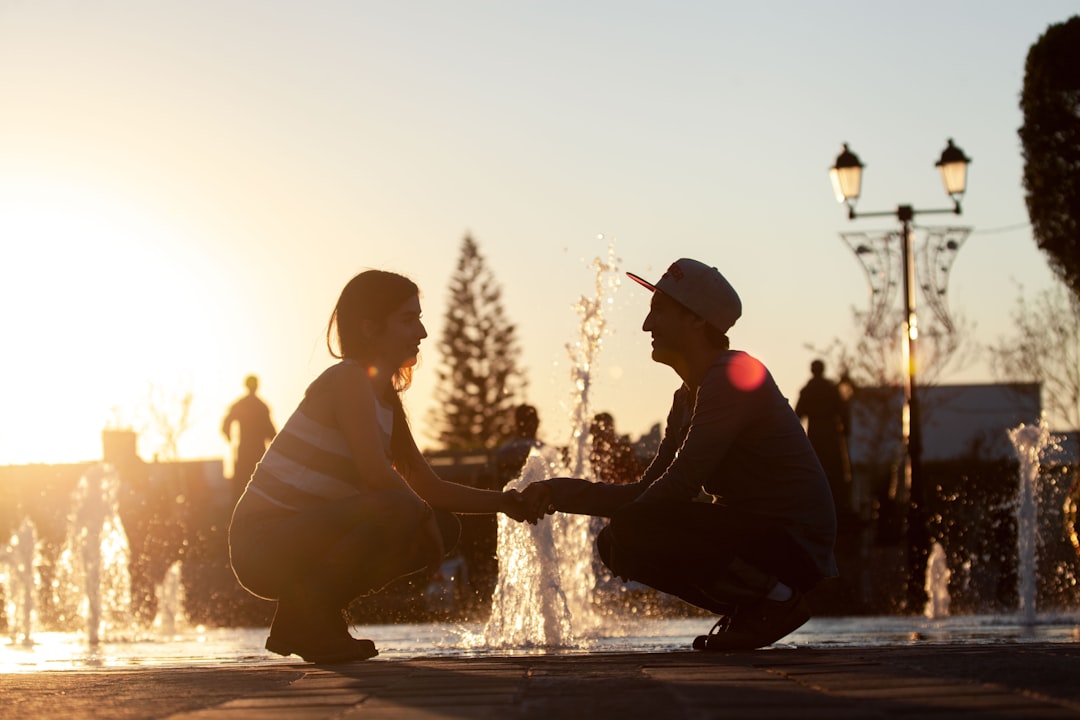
[254, 430]
[827, 424]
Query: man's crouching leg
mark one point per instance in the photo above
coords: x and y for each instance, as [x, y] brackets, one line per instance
[697, 552]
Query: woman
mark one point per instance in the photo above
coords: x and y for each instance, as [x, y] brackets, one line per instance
[343, 502]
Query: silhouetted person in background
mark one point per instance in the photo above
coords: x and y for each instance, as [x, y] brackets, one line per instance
[255, 430]
[611, 455]
[510, 457]
[827, 421]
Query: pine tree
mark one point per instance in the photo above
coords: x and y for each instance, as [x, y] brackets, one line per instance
[479, 382]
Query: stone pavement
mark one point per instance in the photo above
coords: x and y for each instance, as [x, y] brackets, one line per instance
[1000, 680]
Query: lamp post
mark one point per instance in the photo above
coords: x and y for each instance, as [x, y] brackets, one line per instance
[846, 175]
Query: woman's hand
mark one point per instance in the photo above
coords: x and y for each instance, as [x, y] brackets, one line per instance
[513, 506]
[527, 506]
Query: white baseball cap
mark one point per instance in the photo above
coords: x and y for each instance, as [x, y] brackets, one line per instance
[700, 289]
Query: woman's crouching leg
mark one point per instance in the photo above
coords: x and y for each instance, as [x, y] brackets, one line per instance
[369, 551]
[371, 557]
[348, 547]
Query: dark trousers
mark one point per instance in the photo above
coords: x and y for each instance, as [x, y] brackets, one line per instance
[709, 555]
[339, 550]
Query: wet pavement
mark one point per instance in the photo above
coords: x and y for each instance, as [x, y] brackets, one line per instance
[993, 680]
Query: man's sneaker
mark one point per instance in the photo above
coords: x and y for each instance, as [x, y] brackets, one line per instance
[761, 624]
[722, 626]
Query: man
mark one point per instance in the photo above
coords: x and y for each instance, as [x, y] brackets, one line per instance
[827, 425]
[256, 429]
[767, 535]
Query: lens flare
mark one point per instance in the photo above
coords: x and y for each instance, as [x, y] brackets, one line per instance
[746, 373]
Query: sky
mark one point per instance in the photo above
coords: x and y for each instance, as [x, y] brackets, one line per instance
[185, 187]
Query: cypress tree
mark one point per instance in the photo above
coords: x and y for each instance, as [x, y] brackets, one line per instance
[1051, 141]
[479, 382]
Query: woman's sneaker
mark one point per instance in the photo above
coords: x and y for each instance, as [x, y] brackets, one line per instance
[758, 625]
[322, 651]
[316, 636]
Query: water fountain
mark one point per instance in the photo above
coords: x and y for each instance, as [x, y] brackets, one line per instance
[66, 576]
[937, 583]
[1031, 442]
[543, 597]
[97, 554]
[530, 607]
[20, 582]
[86, 586]
[170, 602]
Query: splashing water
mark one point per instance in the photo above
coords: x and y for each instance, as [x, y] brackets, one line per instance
[583, 354]
[170, 597]
[96, 555]
[19, 578]
[1030, 441]
[87, 586]
[937, 584]
[543, 597]
[529, 607]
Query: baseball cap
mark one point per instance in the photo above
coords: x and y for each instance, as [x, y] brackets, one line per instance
[700, 289]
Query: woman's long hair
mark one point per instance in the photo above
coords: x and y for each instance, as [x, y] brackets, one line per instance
[372, 296]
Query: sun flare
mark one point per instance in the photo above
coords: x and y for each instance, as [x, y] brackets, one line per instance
[103, 302]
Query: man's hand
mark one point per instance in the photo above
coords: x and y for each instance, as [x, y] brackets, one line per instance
[538, 497]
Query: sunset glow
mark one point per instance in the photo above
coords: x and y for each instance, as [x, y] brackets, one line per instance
[185, 188]
[104, 303]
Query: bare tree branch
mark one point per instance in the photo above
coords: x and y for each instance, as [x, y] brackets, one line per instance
[1044, 347]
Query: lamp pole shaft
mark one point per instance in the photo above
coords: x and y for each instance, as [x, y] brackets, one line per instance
[918, 549]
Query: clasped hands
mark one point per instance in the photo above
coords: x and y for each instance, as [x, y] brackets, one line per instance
[528, 505]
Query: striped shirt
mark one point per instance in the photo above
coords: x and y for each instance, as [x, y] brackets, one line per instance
[309, 463]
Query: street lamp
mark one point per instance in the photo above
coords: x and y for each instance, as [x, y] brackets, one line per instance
[953, 167]
[846, 176]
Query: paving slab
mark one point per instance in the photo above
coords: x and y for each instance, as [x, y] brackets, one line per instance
[1002, 680]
